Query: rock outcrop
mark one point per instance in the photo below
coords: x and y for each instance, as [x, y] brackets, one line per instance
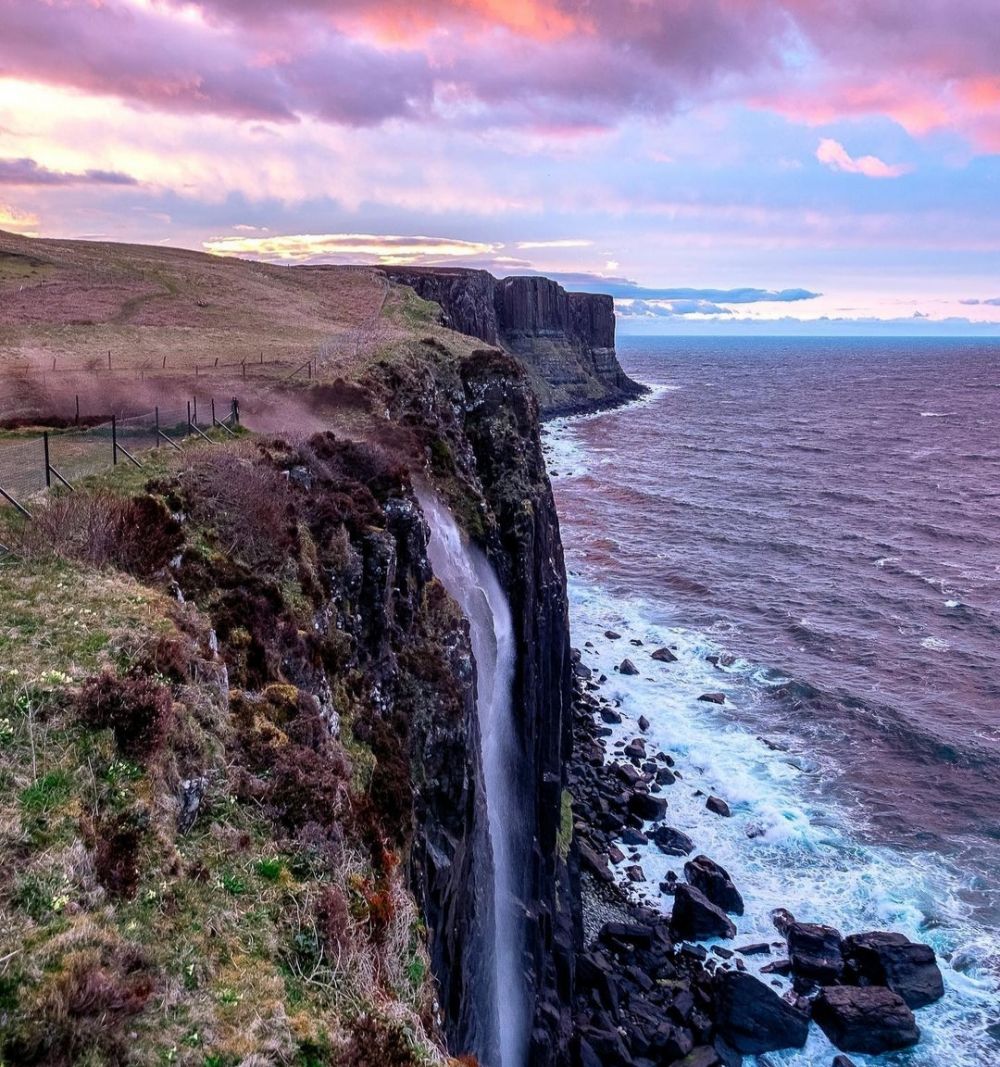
[565, 341]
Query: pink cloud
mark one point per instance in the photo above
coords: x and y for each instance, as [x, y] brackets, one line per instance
[561, 65]
[836, 156]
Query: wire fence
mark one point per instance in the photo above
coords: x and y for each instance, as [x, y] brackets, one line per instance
[32, 463]
[250, 367]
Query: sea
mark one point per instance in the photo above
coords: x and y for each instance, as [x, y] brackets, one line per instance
[813, 526]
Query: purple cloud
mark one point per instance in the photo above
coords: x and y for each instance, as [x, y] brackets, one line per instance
[28, 172]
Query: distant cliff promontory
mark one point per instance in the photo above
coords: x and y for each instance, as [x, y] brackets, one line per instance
[565, 340]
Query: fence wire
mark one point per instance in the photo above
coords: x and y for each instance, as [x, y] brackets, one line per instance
[79, 453]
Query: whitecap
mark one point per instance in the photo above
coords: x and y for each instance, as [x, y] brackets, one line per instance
[935, 644]
[786, 844]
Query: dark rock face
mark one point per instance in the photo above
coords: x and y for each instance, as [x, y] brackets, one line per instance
[815, 952]
[894, 961]
[502, 426]
[565, 340]
[754, 1019]
[871, 1019]
[696, 918]
[478, 418]
[714, 881]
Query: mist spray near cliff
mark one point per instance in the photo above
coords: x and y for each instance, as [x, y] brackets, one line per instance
[467, 575]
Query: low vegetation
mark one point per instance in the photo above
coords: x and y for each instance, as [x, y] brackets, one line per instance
[204, 840]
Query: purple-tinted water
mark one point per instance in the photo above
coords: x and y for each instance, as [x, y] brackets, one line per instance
[828, 512]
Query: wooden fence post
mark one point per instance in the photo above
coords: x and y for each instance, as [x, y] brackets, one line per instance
[48, 465]
[114, 438]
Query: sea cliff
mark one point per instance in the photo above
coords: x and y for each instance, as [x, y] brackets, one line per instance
[565, 341]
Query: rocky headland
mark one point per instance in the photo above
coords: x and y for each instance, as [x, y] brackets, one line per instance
[565, 341]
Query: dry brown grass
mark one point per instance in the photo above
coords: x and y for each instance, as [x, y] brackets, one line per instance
[73, 301]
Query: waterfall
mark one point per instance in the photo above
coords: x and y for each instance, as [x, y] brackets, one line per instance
[471, 581]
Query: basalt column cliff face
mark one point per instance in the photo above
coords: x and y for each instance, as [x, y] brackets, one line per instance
[478, 421]
[566, 341]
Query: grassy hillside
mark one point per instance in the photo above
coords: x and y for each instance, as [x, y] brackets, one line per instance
[74, 301]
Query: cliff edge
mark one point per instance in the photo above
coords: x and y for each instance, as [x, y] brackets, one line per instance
[565, 341]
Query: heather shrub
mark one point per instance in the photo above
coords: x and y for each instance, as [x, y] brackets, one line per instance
[135, 534]
[93, 983]
[247, 504]
[135, 708]
[116, 856]
[378, 1042]
[307, 787]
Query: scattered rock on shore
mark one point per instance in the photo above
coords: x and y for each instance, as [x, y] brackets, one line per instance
[869, 1019]
[672, 842]
[815, 952]
[627, 667]
[714, 881]
[646, 807]
[718, 806]
[696, 918]
[664, 655]
[753, 1019]
[713, 698]
[892, 960]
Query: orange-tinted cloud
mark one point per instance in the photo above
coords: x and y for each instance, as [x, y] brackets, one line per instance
[351, 247]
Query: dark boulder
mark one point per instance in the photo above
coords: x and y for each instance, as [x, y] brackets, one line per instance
[595, 863]
[696, 918]
[892, 960]
[753, 1019]
[782, 919]
[665, 776]
[718, 806]
[633, 933]
[612, 635]
[714, 881]
[627, 667]
[842, 1061]
[815, 952]
[646, 807]
[643, 723]
[635, 749]
[869, 1019]
[664, 655]
[672, 842]
[713, 698]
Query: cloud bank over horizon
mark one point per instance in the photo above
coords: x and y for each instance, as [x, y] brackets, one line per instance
[847, 152]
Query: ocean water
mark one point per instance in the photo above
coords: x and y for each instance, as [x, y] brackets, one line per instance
[824, 516]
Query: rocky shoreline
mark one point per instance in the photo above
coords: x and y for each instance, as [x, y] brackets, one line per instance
[648, 989]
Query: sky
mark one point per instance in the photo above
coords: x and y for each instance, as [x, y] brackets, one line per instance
[814, 166]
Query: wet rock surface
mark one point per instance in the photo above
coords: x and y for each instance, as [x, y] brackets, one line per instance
[892, 960]
[872, 1019]
[647, 993]
[713, 880]
[754, 1019]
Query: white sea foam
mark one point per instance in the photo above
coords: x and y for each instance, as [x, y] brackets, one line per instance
[937, 414]
[787, 843]
[935, 644]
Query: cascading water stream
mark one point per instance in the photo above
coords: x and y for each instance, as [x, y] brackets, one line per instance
[470, 580]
